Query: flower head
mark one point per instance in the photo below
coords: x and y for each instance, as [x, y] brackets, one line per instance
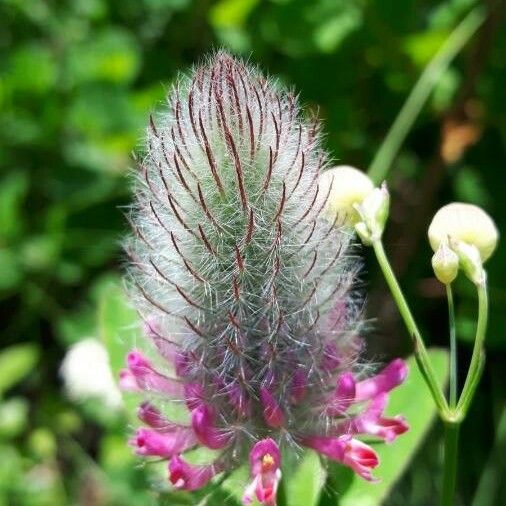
[469, 233]
[465, 223]
[246, 287]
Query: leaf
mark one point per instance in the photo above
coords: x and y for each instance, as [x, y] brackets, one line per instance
[414, 401]
[304, 485]
[118, 327]
[13, 417]
[13, 190]
[16, 362]
[118, 322]
[231, 13]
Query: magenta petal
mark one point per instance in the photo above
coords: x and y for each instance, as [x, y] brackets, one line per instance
[298, 385]
[387, 428]
[194, 395]
[262, 448]
[330, 447]
[387, 379]
[238, 399]
[265, 460]
[135, 359]
[360, 457]
[149, 442]
[372, 421]
[350, 452]
[186, 476]
[149, 379]
[273, 415]
[127, 381]
[152, 417]
[331, 359]
[203, 423]
[344, 395]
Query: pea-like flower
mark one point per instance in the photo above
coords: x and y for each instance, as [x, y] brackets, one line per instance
[247, 290]
[471, 235]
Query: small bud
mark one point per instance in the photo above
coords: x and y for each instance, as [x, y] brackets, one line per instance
[373, 212]
[364, 233]
[465, 223]
[374, 208]
[350, 186]
[445, 263]
[470, 261]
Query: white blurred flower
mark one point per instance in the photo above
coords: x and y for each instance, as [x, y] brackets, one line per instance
[86, 372]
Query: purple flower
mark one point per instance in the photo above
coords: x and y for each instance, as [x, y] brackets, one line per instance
[186, 476]
[265, 461]
[247, 290]
[150, 442]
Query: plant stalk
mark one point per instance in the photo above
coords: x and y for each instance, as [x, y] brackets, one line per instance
[420, 350]
[450, 459]
[404, 121]
[453, 348]
[478, 356]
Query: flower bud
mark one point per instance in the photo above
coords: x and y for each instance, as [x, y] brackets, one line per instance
[364, 233]
[373, 212]
[350, 186]
[470, 261]
[465, 223]
[445, 263]
[374, 208]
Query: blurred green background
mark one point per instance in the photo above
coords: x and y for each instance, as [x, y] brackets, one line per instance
[78, 79]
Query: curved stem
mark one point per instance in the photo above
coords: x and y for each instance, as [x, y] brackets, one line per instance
[421, 354]
[453, 348]
[451, 441]
[478, 357]
[420, 93]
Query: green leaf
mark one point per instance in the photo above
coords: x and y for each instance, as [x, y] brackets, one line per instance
[118, 322]
[16, 362]
[413, 400]
[118, 327]
[13, 417]
[13, 190]
[303, 486]
[231, 13]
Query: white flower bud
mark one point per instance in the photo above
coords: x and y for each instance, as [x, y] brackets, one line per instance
[465, 223]
[445, 263]
[364, 233]
[470, 261]
[350, 187]
[374, 210]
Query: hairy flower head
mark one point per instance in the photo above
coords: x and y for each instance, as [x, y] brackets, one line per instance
[246, 288]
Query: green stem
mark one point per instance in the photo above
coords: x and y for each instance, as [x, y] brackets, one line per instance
[420, 93]
[478, 357]
[451, 442]
[453, 348]
[421, 354]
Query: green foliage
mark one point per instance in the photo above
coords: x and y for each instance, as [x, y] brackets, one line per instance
[16, 362]
[77, 81]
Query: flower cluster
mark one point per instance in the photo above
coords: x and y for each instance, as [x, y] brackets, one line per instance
[247, 289]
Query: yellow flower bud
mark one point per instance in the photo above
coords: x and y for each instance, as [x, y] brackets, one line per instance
[350, 186]
[464, 223]
[445, 263]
